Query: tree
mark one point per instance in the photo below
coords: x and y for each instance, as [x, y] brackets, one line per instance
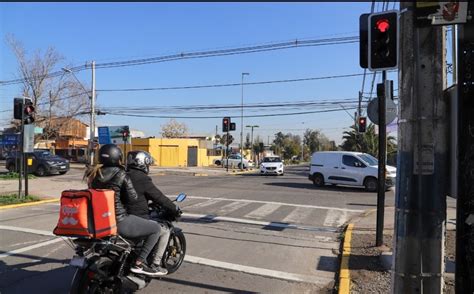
[247, 144]
[60, 97]
[174, 129]
[287, 145]
[366, 142]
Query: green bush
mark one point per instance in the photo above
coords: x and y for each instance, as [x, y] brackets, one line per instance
[14, 175]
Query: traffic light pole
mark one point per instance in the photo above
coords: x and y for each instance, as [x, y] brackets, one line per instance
[382, 162]
[227, 151]
[465, 196]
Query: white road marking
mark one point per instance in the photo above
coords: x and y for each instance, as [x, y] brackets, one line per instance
[26, 230]
[259, 223]
[335, 218]
[210, 202]
[313, 279]
[42, 244]
[298, 215]
[231, 207]
[263, 211]
[269, 202]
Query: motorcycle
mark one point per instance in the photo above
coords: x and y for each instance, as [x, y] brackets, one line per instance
[103, 265]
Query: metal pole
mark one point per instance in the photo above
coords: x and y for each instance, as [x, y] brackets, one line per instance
[454, 34]
[422, 171]
[382, 163]
[92, 123]
[251, 145]
[242, 126]
[227, 151]
[20, 152]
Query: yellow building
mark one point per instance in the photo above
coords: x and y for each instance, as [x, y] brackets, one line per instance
[176, 152]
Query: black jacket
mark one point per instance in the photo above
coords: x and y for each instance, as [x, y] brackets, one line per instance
[146, 190]
[115, 178]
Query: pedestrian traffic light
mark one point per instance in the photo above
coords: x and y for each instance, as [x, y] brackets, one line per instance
[383, 40]
[28, 112]
[18, 108]
[226, 124]
[232, 127]
[362, 124]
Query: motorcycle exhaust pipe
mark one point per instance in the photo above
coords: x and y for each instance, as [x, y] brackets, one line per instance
[133, 283]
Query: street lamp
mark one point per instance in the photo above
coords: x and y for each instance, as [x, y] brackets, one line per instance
[251, 140]
[242, 124]
[92, 112]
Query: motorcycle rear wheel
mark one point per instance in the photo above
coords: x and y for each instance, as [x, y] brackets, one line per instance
[86, 281]
[174, 254]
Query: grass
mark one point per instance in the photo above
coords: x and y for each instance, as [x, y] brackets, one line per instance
[12, 176]
[13, 199]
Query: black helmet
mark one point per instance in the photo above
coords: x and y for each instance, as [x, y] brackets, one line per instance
[139, 160]
[110, 155]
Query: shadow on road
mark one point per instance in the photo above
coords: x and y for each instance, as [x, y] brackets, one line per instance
[312, 187]
[205, 286]
[18, 279]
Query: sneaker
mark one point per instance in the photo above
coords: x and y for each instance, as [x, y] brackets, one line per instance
[144, 270]
[161, 271]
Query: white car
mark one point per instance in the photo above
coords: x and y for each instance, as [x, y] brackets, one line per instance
[235, 160]
[348, 168]
[272, 165]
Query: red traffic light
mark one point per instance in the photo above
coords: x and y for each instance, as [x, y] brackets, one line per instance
[226, 121]
[362, 120]
[29, 109]
[382, 25]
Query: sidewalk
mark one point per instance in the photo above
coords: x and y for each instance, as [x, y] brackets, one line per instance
[367, 269]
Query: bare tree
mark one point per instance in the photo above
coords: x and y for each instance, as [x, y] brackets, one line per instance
[174, 129]
[60, 97]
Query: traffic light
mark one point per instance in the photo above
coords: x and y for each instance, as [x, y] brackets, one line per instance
[225, 124]
[363, 40]
[18, 108]
[232, 127]
[362, 124]
[28, 112]
[125, 134]
[383, 40]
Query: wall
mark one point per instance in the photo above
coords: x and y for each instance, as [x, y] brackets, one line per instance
[172, 152]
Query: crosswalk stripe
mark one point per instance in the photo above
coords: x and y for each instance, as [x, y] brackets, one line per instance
[298, 215]
[231, 207]
[263, 211]
[335, 218]
[204, 204]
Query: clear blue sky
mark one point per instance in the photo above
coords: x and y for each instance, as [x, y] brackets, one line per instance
[116, 31]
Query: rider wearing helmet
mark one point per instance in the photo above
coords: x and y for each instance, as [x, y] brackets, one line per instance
[110, 174]
[138, 166]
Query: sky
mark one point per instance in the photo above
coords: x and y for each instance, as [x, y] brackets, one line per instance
[106, 32]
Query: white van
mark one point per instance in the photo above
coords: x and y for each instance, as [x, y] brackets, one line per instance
[348, 168]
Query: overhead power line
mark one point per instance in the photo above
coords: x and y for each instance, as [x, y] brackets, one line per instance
[214, 117]
[201, 54]
[230, 84]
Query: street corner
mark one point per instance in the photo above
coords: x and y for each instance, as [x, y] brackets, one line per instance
[200, 175]
[238, 172]
[344, 286]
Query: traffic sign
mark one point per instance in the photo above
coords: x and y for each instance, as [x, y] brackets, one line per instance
[10, 139]
[373, 111]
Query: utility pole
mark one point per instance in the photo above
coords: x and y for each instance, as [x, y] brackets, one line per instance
[422, 172]
[251, 140]
[92, 124]
[242, 124]
[382, 157]
[465, 197]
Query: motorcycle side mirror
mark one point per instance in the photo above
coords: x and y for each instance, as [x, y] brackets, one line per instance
[181, 197]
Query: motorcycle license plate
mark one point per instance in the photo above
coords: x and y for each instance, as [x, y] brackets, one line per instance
[78, 261]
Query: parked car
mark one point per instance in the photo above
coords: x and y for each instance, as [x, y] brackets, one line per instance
[272, 165]
[235, 161]
[43, 163]
[348, 168]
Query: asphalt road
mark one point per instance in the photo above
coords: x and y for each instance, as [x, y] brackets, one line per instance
[245, 233]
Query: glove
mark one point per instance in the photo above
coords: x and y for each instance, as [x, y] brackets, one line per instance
[179, 212]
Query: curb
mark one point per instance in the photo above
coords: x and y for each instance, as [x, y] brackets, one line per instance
[344, 273]
[28, 204]
[242, 172]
